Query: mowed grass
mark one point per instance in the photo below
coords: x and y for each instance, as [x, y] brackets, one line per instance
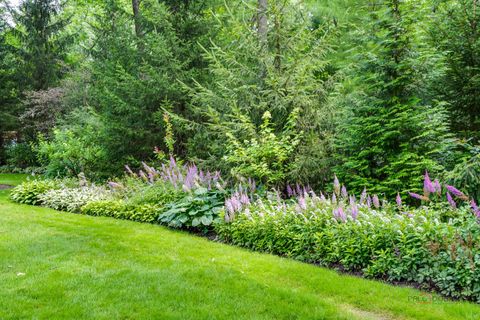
[57, 265]
[12, 179]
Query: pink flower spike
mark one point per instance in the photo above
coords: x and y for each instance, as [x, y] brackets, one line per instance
[450, 200]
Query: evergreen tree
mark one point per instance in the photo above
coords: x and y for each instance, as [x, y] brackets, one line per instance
[456, 32]
[390, 133]
[8, 85]
[277, 66]
[41, 43]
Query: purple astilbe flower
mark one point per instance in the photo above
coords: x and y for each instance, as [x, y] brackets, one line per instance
[289, 190]
[354, 211]
[344, 192]
[143, 175]
[244, 199]
[428, 187]
[437, 187]
[114, 185]
[450, 200]
[352, 200]
[173, 163]
[334, 198]
[398, 199]
[298, 190]
[322, 197]
[336, 186]
[302, 203]
[369, 201]
[252, 185]
[129, 171]
[457, 193]
[475, 208]
[418, 196]
[339, 214]
[376, 201]
[363, 196]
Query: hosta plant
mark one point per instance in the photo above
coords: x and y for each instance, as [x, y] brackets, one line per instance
[198, 209]
[29, 192]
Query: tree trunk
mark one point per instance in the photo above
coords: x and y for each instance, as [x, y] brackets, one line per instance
[136, 17]
[262, 24]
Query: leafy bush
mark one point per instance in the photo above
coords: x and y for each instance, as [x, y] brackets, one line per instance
[436, 246]
[143, 213]
[72, 199]
[75, 150]
[30, 192]
[21, 155]
[104, 208]
[266, 156]
[198, 209]
[156, 193]
[120, 210]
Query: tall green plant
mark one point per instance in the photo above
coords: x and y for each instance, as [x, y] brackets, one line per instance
[281, 69]
[390, 133]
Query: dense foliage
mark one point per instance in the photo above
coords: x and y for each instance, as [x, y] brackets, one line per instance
[261, 102]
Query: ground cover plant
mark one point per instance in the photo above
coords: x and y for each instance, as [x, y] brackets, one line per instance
[435, 246]
[251, 107]
[118, 269]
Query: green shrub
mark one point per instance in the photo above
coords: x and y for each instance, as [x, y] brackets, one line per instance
[198, 209]
[266, 156]
[119, 209]
[143, 213]
[21, 155]
[159, 193]
[436, 248]
[29, 192]
[105, 208]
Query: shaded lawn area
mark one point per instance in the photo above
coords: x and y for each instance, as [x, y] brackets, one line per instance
[64, 266]
[11, 179]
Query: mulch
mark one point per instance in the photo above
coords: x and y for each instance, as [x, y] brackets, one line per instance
[5, 186]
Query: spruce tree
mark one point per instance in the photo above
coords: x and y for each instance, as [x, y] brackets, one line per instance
[390, 134]
[42, 43]
[456, 32]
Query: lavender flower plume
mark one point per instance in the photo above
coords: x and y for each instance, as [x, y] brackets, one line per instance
[450, 200]
[353, 201]
[475, 208]
[457, 193]
[289, 190]
[363, 196]
[369, 202]
[418, 196]
[354, 210]
[437, 186]
[339, 214]
[376, 201]
[322, 197]
[302, 203]
[114, 185]
[129, 171]
[398, 199]
[334, 198]
[427, 185]
[336, 186]
[344, 192]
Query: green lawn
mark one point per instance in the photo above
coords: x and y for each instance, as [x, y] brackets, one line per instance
[64, 266]
[11, 179]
